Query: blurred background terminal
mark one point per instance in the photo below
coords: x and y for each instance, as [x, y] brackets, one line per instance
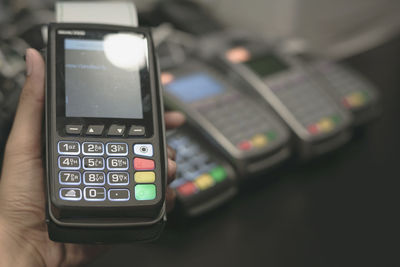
[289, 156]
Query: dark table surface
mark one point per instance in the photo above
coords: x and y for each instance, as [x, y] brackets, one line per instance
[340, 210]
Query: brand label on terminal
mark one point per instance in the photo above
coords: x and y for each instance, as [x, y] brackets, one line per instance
[69, 32]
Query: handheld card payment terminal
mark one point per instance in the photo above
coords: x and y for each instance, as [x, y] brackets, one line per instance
[318, 121]
[105, 137]
[250, 135]
[204, 179]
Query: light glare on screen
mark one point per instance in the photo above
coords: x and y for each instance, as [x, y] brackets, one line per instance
[125, 51]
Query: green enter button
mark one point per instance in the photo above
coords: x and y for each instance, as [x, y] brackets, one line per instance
[145, 192]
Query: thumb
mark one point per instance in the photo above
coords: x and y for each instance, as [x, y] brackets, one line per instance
[25, 136]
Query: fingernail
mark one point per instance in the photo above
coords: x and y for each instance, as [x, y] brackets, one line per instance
[29, 62]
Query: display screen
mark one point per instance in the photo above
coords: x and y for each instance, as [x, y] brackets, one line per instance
[195, 87]
[266, 64]
[102, 76]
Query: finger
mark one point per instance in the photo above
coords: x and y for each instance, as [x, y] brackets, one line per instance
[77, 255]
[170, 198]
[174, 119]
[171, 171]
[25, 136]
[171, 153]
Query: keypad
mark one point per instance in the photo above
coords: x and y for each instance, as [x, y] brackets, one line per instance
[197, 170]
[247, 129]
[308, 102]
[96, 171]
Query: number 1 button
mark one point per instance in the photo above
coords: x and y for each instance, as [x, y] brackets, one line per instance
[68, 148]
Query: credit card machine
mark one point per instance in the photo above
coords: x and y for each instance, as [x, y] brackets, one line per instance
[351, 88]
[319, 122]
[105, 135]
[204, 179]
[247, 133]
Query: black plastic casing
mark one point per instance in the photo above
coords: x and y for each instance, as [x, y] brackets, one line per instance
[104, 222]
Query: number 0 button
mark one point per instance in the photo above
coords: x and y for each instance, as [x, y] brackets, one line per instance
[94, 193]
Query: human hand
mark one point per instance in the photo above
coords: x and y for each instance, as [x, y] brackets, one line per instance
[23, 232]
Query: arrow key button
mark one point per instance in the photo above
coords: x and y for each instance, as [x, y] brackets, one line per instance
[116, 130]
[95, 130]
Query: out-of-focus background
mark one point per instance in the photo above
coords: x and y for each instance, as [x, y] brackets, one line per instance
[339, 209]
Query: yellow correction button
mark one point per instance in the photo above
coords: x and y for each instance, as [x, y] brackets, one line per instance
[325, 125]
[355, 99]
[204, 181]
[145, 177]
[259, 140]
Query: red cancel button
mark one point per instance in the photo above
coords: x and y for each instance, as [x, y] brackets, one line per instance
[143, 164]
[187, 189]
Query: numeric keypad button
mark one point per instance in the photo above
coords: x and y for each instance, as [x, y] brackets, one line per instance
[94, 178]
[69, 178]
[68, 148]
[118, 194]
[117, 163]
[70, 194]
[69, 163]
[94, 193]
[117, 149]
[93, 148]
[93, 163]
[118, 178]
